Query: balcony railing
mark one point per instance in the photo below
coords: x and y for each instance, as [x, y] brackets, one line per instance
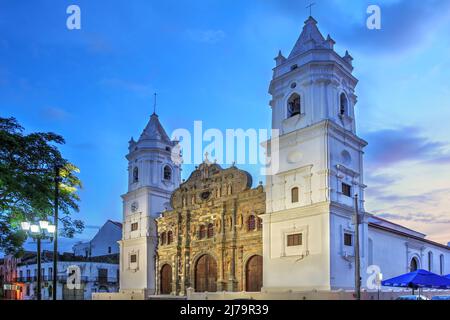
[63, 279]
[26, 279]
[106, 280]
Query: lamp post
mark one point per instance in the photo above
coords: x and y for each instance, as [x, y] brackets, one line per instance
[39, 231]
[357, 253]
[379, 280]
[55, 221]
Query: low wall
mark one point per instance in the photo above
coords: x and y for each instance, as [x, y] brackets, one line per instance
[267, 295]
[308, 295]
[122, 295]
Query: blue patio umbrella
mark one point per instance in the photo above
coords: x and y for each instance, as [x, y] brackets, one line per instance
[418, 279]
[448, 276]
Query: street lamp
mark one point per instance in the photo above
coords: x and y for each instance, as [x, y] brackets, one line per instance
[39, 231]
[379, 280]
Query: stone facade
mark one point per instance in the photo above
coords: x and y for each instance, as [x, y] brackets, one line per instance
[215, 215]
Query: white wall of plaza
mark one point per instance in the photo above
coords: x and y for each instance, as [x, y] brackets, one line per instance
[103, 243]
[90, 279]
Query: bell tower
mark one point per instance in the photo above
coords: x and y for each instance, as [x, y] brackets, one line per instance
[152, 177]
[310, 200]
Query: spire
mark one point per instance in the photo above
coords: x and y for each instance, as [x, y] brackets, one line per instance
[154, 105]
[309, 39]
[348, 58]
[154, 130]
[279, 59]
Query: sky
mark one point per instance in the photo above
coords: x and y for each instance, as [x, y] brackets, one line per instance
[212, 60]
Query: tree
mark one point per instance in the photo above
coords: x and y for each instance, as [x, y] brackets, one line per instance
[27, 183]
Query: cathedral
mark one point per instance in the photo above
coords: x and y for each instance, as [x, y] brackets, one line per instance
[216, 232]
[212, 238]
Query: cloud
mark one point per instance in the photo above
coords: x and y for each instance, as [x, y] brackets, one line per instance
[55, 114]
[416, 217]
[392, 146]
[405, 24]
[135, 87]
[206, 36]
[382, 179]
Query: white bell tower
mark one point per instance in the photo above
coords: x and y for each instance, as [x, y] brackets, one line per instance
[308, 226]
[152, 177]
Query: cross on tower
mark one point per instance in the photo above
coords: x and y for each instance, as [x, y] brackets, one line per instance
[154, 105]
[310, 8]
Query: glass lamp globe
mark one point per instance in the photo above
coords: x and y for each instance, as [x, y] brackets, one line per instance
[34, 228]
[25, 225]
[51, 228]
[43, 224]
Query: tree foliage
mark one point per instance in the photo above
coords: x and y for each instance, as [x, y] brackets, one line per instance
[27, 183]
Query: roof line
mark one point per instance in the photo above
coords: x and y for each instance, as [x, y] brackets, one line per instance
[374, 225]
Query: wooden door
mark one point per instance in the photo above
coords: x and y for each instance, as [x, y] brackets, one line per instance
[166, 279]
[254, 274]
[206, 274]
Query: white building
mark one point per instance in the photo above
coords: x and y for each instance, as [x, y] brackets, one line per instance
[152, 177]
[103, 243]
[96, 260]
[311, 198]
[94, 277]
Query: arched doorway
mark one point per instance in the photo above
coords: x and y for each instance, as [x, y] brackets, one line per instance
[414, 265]
[166, 279]
[254, 274]
[206, 274]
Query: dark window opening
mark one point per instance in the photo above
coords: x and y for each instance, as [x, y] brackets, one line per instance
[348, 239]
[294, 105]
[210, 230]
[346, 190]
[343, 105]
[134, 226]
[251, 223]
[294, 195]
[294, 240]
[167, 173]
[202, 232]
[169, 237]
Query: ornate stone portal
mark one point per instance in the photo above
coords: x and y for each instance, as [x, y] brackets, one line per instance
[212, 239]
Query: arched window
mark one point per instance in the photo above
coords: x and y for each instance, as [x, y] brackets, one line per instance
[293, 105]
[414, 265]
[441, 264]
[202, 232]
[163, 238]
[343, 105]
[210, 230]
[294, 195]
[167, 173]
[251, 223]
[169, 237]
[430, 261]
[135, 174]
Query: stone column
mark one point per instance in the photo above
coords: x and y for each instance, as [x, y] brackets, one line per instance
[222, 263]
[232, 283]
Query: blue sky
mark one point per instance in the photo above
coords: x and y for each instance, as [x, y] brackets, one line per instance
[212, 60]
